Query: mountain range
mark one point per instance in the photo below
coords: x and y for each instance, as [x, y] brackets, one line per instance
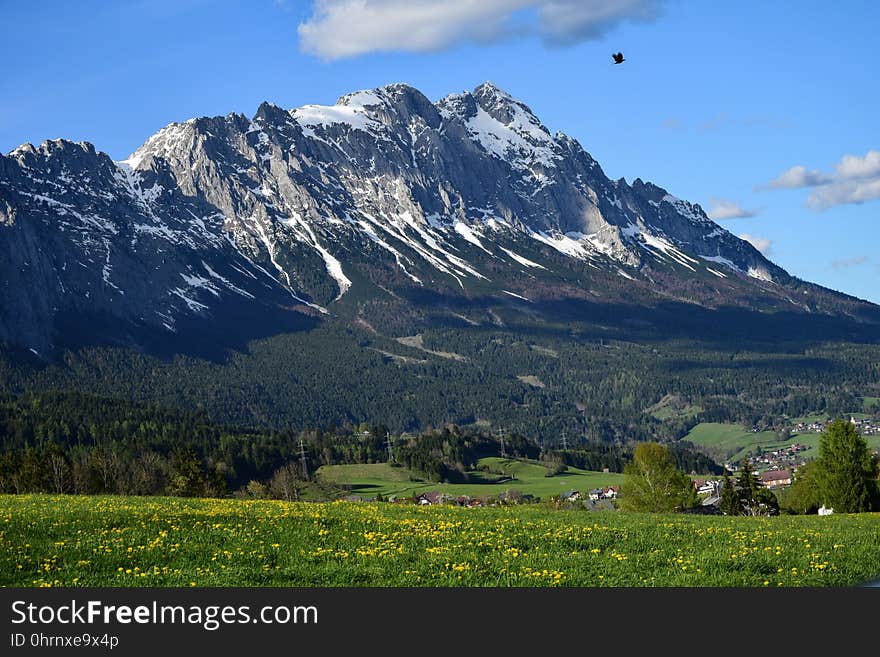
[298, 208]
[384, 214]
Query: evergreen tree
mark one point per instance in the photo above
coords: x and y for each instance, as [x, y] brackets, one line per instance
[747, 482]
[846, 472]
[753, 498]
[730, 503]
[803, 496]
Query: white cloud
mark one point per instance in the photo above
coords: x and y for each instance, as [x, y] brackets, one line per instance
[564, 22]
[856, 180]
[853, 166]
[761, 243]
[844, 192]
[798, 177]
[348, 28]
[723, 209]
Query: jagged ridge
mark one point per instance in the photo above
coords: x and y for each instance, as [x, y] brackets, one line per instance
[295, 208]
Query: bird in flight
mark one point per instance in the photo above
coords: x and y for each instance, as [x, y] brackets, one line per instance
[618, 58]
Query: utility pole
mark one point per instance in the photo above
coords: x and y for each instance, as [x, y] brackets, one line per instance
[302, 458]
[564, 442]
[388, 445]
[500, 433]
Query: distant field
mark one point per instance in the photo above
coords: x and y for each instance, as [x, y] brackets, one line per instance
[670, 407]
[733, 442]
[867, 402]
[119, 541]
[526, 477]
[728, 441]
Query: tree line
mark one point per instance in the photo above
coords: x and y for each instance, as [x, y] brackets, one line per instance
[72, 442]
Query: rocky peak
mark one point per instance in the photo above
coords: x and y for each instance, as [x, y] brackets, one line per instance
[169, 142]
[283, 208]
[503, 107]
[271, 113]
[392, 104]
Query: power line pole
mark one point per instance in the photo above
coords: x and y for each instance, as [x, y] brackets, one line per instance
[564, 442]
[302, 458]
[388, 445]
[500, 433]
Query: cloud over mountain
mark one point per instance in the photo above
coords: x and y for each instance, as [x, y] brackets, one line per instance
[761, 243]
[856, 180]
[347, 28]
[724, 209]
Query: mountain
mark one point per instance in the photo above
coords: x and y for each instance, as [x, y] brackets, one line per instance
[394, 260]
[293, 210]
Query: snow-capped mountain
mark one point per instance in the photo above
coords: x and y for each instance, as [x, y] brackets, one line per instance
[385, 191]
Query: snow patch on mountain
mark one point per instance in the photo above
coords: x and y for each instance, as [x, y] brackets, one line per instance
[523, 261]
[520, 142]
[192, 304]
[562, 243]
[660, 245]
[193, 280]
[518, 296]
[686, 209]
[351, 110]
[310, 116]
[759, 273]
[465, 231]
[226, 282]
[721, 261]
[174, 139]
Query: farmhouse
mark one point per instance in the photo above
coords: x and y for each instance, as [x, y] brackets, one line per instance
[430, 497]
[774, 478]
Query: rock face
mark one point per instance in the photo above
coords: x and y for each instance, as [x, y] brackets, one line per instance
[295, 209]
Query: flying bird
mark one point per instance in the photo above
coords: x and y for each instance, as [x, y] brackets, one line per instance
[618, 58]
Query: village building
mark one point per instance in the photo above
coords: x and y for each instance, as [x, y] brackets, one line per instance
[774, 478]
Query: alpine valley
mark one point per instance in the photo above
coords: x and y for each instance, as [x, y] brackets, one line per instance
[391, 259]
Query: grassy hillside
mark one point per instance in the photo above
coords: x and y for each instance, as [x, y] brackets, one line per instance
[128, 541]
[728, 441]
[733, 442]
[495, 476]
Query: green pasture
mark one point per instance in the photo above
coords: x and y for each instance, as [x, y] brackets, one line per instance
[129, 541]
[499, 475]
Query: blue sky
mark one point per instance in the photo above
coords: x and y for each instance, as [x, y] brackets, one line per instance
[718, 104]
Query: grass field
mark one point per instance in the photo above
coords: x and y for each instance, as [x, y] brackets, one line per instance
[732, 442]
[728, 441]
[503, 474]
[119, 541]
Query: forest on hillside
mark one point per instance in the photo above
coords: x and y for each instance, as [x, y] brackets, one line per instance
[596, 385]
[77, 443]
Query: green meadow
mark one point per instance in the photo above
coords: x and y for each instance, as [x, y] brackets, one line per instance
[730, 441]
[493, 476]
[129, 541]
[733, 442]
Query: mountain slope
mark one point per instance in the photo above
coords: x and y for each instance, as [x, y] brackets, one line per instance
[227, 225]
